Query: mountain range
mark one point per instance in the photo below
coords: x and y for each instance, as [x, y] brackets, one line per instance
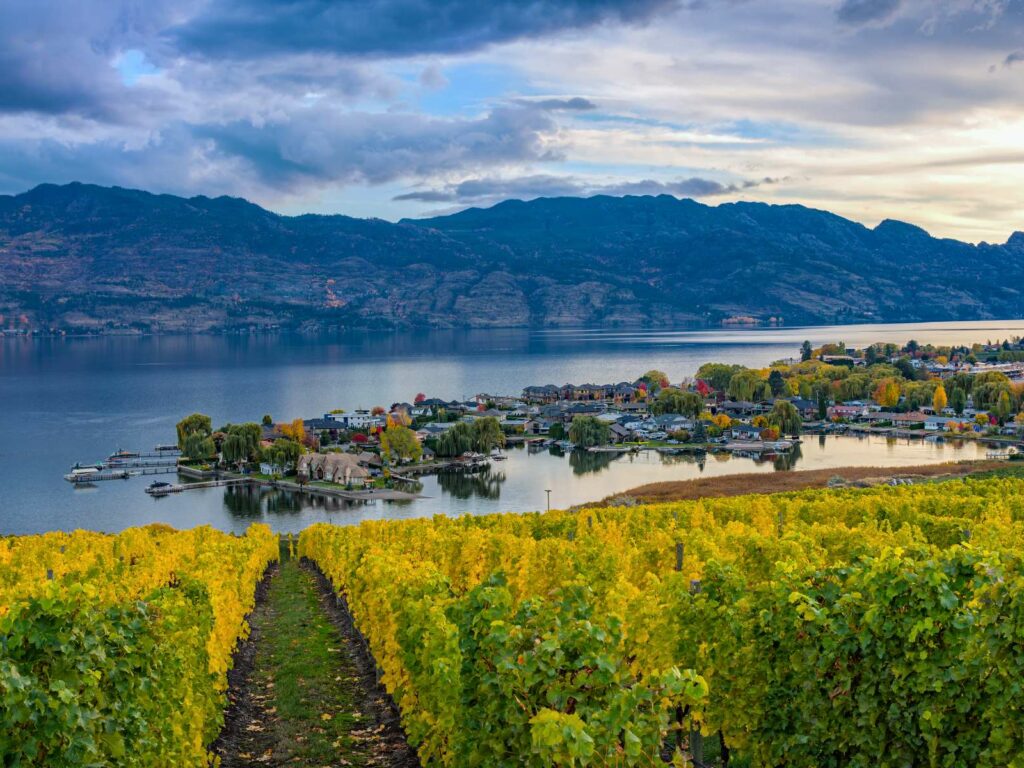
[84, 258]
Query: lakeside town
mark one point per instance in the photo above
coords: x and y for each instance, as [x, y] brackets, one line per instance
[911, 391]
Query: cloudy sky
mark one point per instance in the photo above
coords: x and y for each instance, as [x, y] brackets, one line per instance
[910, 109]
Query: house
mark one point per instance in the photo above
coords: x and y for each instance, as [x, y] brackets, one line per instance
[618, 433]
[670, 422]
[908, 419]
[808, 409]
[267, 468]
[433, 429]
[547, 393]
[941, 423]
[340, 468]
[624, 392]
[744, 432]
[490, 413]
[368, 459]
[633, 407]
[848, 412]
[537, 426]
[360, 420]
[738, 408]
[321, 425]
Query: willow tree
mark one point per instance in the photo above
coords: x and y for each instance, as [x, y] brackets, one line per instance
[587, 431]
[487, 434]
[455, 441]
[196, 424]
[785, 417]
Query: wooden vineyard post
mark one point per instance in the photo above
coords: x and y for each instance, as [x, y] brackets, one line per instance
[679, 556]
[696, 737]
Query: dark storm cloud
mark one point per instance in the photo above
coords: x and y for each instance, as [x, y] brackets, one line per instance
[575, 104]
[527, 187]
[857, 12]
[1014, 58]
[328, 147]
[391, 28]
[58, 60]
[333, 146]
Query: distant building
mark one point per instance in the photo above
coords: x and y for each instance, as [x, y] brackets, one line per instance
[340, 468]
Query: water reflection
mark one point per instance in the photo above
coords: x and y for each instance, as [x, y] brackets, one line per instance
[468, 485]
[243, 501]
[788, 460]
[137, 388]
[587, 462]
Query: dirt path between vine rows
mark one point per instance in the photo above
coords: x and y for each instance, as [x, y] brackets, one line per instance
[303, 692]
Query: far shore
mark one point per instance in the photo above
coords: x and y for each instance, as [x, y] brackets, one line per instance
[796, 480]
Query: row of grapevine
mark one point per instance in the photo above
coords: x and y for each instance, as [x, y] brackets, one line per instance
[874, 627]
[114, 650]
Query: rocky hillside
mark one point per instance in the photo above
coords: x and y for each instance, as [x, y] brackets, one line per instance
[89, 258]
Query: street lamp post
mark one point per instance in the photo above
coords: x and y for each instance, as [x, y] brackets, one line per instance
[548, 492]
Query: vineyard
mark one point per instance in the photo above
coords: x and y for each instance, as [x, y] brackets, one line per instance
[115, 649]
[880, 627]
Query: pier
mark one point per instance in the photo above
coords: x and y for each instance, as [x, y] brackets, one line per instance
[116, 474]
[179, 487]
[139, 463]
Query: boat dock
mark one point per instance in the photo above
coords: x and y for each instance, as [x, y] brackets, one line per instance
[139, 463]
[179, 487]
[116, 474]
[162, 452]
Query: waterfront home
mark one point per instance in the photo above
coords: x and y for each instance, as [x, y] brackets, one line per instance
[907, 420]
[369, 459]
[744, 432]
[268, 468]
[537, 426]
[848, 412]
[340, 468]
[941, 423]
[670, 422]
[619, 433]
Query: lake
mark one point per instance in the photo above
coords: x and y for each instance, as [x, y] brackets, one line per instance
[64, 400]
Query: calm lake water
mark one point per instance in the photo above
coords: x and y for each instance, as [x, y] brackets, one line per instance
[68, 400]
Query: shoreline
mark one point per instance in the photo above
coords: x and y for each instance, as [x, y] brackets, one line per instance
[782, 482]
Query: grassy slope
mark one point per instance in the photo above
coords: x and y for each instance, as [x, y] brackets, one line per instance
[779, 482]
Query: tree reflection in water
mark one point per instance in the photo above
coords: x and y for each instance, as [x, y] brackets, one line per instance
[243, 500]
[788, 460]
[249, 501]
[467, 485]
[586, 462]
